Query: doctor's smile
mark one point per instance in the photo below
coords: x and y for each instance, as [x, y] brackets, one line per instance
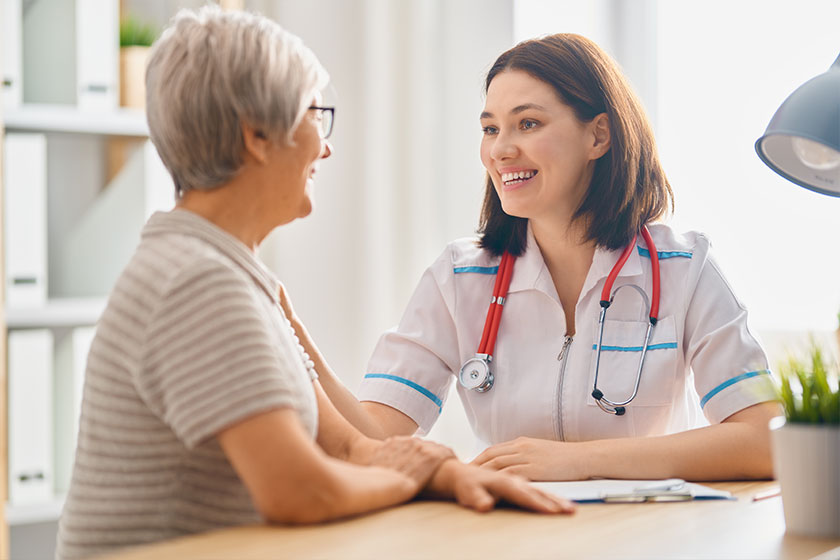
[513, 178]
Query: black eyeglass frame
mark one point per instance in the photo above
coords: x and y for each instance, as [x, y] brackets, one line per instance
[331, 111]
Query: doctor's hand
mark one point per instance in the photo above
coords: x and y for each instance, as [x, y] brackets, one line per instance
[480, 489]
[536, 459]
[286, 303]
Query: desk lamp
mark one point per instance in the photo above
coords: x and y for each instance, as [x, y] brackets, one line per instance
[802, 141]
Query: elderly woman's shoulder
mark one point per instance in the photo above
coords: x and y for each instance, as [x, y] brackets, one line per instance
[179, 263]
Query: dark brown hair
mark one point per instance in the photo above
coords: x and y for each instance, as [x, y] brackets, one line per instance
[628, 188]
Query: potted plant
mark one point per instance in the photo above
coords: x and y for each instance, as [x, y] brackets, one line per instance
[135, 39]
[806, 446]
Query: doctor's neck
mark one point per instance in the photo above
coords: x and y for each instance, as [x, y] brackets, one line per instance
[563, 243]
[568, 234]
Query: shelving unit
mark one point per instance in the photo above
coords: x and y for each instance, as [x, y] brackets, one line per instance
[94, 208]
[64, 118]
[34, 513]
[93, 225]
[4, 528]
[57, 313]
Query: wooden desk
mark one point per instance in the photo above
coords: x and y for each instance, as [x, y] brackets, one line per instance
[711, 529]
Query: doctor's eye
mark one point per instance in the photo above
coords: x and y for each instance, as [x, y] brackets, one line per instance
[528, 124]
[489, 130]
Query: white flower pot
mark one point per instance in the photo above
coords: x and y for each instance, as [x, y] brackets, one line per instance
[806, 461]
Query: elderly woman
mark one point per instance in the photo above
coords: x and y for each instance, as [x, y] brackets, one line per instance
[200, 409]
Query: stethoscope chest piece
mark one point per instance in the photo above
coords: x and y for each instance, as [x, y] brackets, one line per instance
[475, 374]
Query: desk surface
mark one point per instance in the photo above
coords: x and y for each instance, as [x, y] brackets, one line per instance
[707, 529]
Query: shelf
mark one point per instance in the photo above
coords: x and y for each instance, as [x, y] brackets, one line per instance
[67, 118]
[56, 313]
[34, 513]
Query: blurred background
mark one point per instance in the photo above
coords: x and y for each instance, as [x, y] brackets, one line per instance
[405, 176]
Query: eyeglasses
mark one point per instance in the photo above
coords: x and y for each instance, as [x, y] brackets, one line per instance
[326, 117]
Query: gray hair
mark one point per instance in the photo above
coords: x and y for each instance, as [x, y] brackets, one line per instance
[210, 72]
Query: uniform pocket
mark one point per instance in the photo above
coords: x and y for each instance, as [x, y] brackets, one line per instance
[620, 355]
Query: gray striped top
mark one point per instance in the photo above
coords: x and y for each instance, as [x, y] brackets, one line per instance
[192, 340]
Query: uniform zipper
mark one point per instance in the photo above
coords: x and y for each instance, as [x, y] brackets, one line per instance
[563, 358]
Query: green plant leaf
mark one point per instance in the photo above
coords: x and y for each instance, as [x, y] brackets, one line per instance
[135, 33]
[813, 401]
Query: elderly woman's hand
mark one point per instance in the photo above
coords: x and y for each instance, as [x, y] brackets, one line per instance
[414, 457]
[480, 489]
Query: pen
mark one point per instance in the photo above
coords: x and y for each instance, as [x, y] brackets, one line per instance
[771, 493]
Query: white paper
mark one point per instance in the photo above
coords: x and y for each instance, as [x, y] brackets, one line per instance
[594, 490]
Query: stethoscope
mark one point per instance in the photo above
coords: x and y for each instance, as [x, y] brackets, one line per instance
[476, 374]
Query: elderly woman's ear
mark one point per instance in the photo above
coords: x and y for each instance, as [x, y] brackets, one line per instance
[256, 142]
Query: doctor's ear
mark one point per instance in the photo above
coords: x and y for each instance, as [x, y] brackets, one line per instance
[600, 127]
[256, 142]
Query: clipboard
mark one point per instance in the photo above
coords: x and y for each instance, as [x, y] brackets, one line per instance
[612, 491]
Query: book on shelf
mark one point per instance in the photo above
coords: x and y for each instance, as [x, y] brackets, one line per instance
[25, 218]
[71, 53]
[97, 54]
[71, 350]
[30, 360]
[12, 53]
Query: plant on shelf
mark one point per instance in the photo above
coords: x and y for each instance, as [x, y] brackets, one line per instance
[806, 445]
[135, 33]
[136, 37]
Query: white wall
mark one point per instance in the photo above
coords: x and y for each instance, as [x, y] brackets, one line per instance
[724, 68]
[405, 177]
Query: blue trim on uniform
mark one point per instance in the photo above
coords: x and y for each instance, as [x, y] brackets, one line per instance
[661, 346]
[419, 388]
[477, 269]
[665, 254]
[729, 382]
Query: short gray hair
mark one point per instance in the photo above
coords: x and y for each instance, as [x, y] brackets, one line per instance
[211, 71]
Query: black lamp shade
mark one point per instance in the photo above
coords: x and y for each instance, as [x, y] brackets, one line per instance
[802, 141]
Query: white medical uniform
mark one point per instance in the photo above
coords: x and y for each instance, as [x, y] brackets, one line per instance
[702, 361]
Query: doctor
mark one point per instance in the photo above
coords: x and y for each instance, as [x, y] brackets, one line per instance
[574, 190]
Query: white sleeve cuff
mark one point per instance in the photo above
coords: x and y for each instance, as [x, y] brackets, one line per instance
[738, 393]
[412, 399]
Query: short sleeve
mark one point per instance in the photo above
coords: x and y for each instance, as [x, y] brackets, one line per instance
[412, 366]
[730, 367]
[213, 355]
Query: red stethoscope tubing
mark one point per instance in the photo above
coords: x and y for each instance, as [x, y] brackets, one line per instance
[505, 272]
[654, 264]
[494, 311]
[654, 267]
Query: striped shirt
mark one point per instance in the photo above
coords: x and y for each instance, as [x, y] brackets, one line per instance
[192, 341]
